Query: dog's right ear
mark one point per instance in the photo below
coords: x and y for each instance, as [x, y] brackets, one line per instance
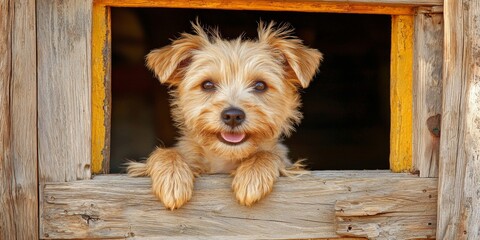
[168, 62]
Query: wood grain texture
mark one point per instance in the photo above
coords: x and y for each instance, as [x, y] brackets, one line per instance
[393, 217]
[7, 198]
[334, 6]
[23, 107]
[459, 176]
[64, 89]
[101, 89]
[401, 81]
[427, 92]
[245, 4]
[116, 206]
[18, 144]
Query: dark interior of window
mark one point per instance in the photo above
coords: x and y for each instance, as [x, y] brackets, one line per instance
[346, 123]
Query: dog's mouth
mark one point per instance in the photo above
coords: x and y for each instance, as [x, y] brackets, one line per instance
[232, 138]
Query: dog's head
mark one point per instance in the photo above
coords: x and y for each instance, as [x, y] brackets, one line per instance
[236, 96]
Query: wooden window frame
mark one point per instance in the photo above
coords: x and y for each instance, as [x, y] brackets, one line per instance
[384, 196]
[402, 54]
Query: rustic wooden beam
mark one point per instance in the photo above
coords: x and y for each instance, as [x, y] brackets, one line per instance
[18, 118]
[427, 91]
[339, 6]
[396, 217]
[214, 3]
[116, 206]
[459, 177]
[64, 89]
[7, 209]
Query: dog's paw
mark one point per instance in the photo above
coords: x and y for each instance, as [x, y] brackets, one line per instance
[254, 178]
[172, 181]
[173, 187]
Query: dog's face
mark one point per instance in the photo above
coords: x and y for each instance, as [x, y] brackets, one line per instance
[233, 96]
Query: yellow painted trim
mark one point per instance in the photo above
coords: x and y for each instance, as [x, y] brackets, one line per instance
[401, 95]
[100, 87]
[337, 6]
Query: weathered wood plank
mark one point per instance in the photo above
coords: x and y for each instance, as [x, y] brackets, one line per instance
[18, 141]
[23, 107]
[117, 206]
[244, 4]
[7, 208]
[64, 87]
[427, 92]
[459, 176]
[393, 217]
[401, 81]
[394, 7]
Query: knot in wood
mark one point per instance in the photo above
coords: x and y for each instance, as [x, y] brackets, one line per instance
[433, 125]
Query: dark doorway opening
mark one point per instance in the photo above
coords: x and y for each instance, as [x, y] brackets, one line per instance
[346, 109]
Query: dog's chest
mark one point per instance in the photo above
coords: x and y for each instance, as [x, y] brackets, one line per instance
[220, 165]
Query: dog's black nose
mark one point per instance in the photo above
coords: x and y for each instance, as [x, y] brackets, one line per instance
[233, 116]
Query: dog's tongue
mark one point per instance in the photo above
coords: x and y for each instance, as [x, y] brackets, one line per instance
[233, 137]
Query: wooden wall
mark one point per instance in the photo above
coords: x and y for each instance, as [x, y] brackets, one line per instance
[62, 68]
[18, 120]
[459, 179]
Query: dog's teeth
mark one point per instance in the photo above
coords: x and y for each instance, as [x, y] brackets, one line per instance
[233, 137]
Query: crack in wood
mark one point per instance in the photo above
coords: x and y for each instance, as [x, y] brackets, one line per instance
[90, 218]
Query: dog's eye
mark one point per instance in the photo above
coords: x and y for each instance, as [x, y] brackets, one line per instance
[260, 86]
[208, 86]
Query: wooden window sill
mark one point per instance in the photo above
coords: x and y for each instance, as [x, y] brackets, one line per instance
[324, 204]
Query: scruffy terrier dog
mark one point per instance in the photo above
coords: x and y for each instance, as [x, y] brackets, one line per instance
[233, 102]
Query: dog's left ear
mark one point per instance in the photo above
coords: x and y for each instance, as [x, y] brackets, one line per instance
[302, 62]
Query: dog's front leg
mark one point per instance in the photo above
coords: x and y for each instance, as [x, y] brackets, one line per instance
[255, 176]
[172, 178]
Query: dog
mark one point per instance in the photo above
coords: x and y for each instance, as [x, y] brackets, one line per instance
[233, 102]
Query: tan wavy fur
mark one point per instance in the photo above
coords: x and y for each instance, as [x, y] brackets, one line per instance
[232, 70]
